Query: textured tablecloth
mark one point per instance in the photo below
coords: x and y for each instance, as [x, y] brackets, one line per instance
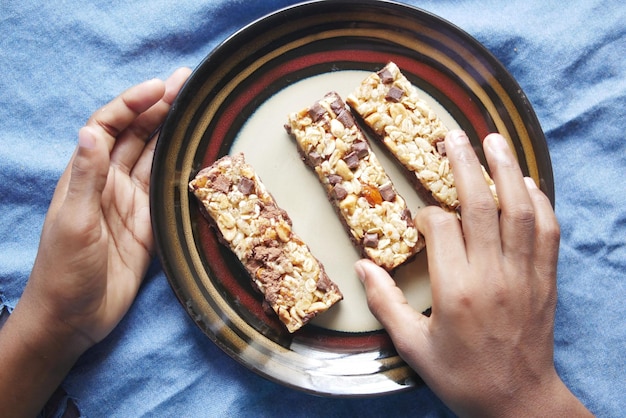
[60, 60]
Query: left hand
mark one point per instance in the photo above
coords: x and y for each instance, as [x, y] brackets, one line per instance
[97, 239]
[95, 248]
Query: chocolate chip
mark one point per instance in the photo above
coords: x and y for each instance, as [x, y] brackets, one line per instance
[323, 283]
[314, 158]
[221, 183]
[441, 147]
[246, 186]
[268, 276]
[387, 192]
[360, 148]
[339, 192]
[272, 212]
[334, 179]
[346, 119]
[406, 216]
[370, 240]
[352, 160]
[337, 105]
[385, 76]
[263, 253]
[316, 111]
[394, 94]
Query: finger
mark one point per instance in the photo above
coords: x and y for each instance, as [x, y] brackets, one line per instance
[174, 83]
[517, 218]
[106, 123]
[445, 249]
[117, 115]
[143, 165]
[88, 173]
[131, 142]
[60, 191]
[406, 327]
[479, 211]
[547, 229]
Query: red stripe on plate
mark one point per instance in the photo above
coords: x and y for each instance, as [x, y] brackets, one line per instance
[225, 124]
[447, 86]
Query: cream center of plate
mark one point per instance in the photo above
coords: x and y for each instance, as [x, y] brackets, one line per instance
[274, 156]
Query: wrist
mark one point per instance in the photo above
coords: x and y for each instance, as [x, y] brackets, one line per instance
[36, 357]
[45, 334]
[548, 398]
[555, 400]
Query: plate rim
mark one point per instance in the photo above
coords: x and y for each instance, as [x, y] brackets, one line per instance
[411, 379]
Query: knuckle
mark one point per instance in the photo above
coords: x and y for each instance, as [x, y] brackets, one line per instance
[480, 207]
[547, 223]
[433, 218]
[501, 294]
[521, 214]
[378, 302]
[460, 303]
[464, 155]
[140, 131]
[551, 232]
[106, 127]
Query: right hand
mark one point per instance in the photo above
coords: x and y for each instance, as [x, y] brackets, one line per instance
[487, 348]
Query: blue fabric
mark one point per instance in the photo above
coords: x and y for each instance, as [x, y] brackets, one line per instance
[59, 61]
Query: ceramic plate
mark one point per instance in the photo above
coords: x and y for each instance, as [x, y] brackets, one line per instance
[238, 98]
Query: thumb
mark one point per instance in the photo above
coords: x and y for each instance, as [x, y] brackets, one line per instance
[89, 171]
[405, 325]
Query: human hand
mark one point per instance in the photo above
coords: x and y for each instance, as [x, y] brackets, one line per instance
[95, 248]
[487, 347]
[97, 241]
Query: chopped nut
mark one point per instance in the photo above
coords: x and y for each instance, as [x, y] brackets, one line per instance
[353, 178]
[259, 233]
[284, 231]
[390, 105]
[343, 170]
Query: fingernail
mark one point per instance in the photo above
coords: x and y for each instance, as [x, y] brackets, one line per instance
[360, 270]
[530, 183]
[496, 143]
[458, 137]
[86, 139]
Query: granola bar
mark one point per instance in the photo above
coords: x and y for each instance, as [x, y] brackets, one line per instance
[374, 214]
[248, 220]
[392, 108]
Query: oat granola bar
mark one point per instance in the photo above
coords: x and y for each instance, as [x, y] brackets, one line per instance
[392, 108]
[375, 215]
[248, 220]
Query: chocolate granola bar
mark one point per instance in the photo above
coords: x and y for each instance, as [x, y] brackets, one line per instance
[248, 220]
[374, 214]
[403, 122]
